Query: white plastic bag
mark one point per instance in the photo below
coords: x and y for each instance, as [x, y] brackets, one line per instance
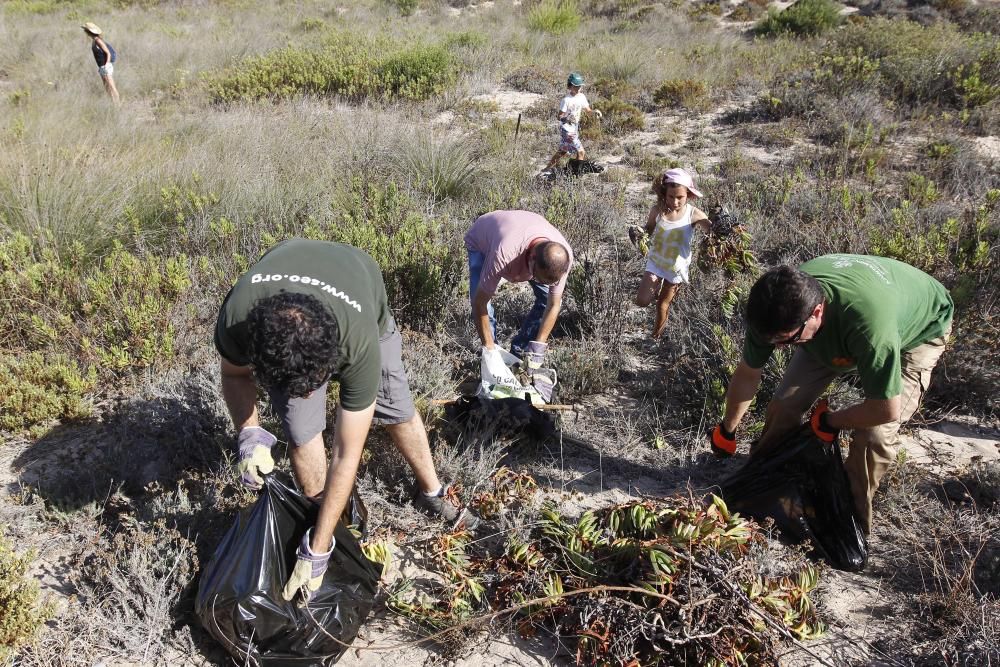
[499, 381]
[495, 372]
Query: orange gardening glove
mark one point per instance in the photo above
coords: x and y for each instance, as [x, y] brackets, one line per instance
[818, 420]
[723, 442]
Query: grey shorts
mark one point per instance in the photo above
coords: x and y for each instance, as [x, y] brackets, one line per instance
[304, 418]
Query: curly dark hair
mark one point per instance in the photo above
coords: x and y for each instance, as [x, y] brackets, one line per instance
[294, 343]
[781, 300]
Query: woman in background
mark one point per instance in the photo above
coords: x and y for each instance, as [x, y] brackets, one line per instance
[105, 56]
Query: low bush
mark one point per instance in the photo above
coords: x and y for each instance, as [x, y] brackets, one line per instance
[686, 93]
[955, 250]
[421, 264]
[115, 312]
[804, 18]
[913, 64]
[36, 389]
[347, 66]
[619, 118]
[443, 167]
[555, 17]
[407, 7]
[22, 614]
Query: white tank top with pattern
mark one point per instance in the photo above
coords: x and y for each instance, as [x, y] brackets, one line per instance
[670, 247]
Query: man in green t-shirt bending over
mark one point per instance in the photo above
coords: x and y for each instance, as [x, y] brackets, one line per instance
[306, 313]
[882, 318]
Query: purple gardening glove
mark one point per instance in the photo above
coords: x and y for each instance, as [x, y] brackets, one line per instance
[534, 354]
[544, 381]
[254, 444]
[309, 570]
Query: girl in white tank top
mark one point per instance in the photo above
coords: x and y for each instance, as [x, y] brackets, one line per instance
[670, 224]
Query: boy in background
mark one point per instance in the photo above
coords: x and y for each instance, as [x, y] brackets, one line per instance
[570, 110]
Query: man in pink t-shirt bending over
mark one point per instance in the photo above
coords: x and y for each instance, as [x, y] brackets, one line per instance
[517, 246]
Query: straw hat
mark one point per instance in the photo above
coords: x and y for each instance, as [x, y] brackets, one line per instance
[91, 28]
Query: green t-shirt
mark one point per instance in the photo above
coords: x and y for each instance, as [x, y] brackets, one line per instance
[876, 309]
[346, 280]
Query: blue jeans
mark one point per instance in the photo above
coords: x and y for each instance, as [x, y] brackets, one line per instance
[476, 261]
[531, 323]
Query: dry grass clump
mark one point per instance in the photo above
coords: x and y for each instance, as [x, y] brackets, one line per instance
[129, 586]
[945, 556]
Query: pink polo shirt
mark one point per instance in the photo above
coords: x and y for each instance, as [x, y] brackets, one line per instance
[504, 237]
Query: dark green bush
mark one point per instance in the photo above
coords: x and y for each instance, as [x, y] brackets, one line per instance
[805, 18]
[346, 66]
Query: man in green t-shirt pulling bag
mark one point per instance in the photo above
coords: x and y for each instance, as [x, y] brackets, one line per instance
[882, 318]
[308, 312]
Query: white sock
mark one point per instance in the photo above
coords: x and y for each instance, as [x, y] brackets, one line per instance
[433, 494]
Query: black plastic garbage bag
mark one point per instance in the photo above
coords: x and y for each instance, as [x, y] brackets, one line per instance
[476, 421]
[239, 596]
[801, 483]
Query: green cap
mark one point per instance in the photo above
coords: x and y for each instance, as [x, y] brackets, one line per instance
[575, 79]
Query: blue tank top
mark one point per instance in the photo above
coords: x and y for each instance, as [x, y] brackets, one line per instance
[100, 56]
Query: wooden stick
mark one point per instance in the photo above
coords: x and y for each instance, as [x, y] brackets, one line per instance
[554, 407]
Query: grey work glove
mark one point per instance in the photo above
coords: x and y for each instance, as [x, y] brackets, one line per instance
[255, 445]
[310, 567]
[534, 354]
[544, 382]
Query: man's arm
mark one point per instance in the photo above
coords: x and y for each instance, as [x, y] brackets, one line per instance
[348, 443]
[742, 388]
[867, 414]
[549, 318]
[239, 389]
[482, 318]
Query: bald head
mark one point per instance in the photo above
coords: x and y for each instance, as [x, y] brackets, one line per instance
[551, 262]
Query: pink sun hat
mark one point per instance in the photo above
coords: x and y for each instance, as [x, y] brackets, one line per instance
[681, 177]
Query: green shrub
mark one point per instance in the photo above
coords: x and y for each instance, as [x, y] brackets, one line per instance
[805, 18]
[21, 614]
[36, 389]
[407, 7]
[619, 118]
[312, 24]
[949, 249]
[421, 267]
[913, 64]
[130, 301]
[346, 66]
[555, 17]
[115, 312]
[687, 93]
